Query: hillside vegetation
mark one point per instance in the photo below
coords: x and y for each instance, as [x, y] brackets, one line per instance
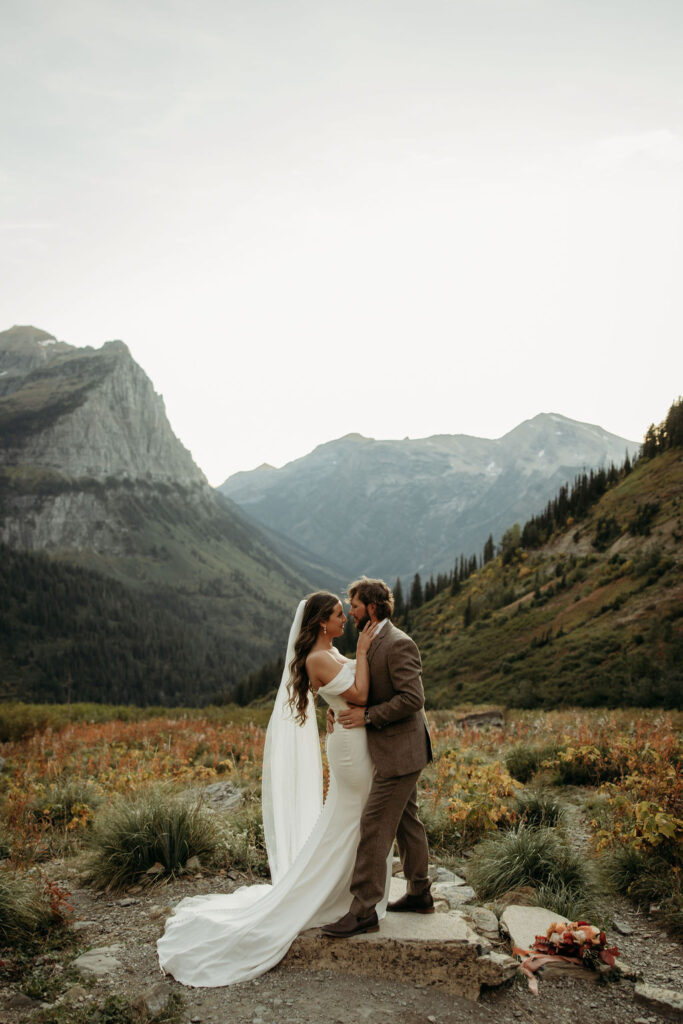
[591, 617]
[191, 602]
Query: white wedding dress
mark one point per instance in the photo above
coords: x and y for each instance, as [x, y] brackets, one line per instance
[221, 939]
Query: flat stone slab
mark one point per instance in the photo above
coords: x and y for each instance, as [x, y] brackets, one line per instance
[100, 961]
[429, 949]
[665, 1001]
[523, 924]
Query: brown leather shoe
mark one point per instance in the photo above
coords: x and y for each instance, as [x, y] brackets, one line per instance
[420, 903]
[349, 925]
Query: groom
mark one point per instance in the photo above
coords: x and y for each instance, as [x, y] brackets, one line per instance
[400, 747]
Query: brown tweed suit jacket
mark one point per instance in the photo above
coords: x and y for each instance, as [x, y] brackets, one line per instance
[398, 734]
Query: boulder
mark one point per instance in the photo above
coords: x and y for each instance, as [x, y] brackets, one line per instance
[224, 796]
[492, 719]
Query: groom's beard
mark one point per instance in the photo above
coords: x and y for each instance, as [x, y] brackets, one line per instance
[360, 626]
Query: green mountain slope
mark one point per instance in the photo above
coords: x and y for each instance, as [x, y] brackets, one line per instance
[593, 617]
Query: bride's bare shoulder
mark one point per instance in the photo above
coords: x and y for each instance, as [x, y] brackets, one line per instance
[322, 667]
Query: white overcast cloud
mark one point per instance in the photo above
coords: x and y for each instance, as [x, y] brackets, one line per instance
[308, 219]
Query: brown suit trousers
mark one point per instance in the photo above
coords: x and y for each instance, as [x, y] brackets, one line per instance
[400, 747]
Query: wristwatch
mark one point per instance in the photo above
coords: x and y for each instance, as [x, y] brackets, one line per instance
[366, 717]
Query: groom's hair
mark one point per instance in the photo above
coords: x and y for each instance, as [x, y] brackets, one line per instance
[373, 592]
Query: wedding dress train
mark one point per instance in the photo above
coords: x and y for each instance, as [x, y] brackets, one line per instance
[224, 938]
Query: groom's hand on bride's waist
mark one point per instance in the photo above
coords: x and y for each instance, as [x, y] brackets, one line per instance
[352, 718]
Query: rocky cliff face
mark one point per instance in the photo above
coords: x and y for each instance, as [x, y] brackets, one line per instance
[85, 413]
[391, 508]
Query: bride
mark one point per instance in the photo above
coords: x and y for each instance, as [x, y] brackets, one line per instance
[221, 939]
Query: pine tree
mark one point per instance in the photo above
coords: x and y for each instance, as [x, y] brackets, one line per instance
[416, 594]
[399, 603]
[489, 550]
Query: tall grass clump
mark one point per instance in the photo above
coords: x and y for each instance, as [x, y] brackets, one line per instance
[538, 809]
[28, 909]
[538, 858]
[153, 828]
[523, 761]
[67, 802]
[647, 879]
[243, 845]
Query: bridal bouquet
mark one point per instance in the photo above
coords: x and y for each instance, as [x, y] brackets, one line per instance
[578, 943]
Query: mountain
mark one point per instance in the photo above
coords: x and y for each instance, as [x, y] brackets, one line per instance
[92, 475]
[592, 617]
[391, 508]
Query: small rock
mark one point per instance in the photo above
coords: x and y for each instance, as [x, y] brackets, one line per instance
[99, 962]
[622, 926]
[432, 1019]
[152, 1000]
[156, 912]
[21, 1002]
[455, 894]
[156, 869]
[484, 921]
[74, 993]
[193, 864]
[665, 1001]
[81, 926]
[444, 875]
[128, 901]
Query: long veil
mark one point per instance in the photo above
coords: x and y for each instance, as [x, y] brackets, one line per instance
[291, 788]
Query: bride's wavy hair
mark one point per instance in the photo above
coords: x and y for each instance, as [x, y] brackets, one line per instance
[318, 608]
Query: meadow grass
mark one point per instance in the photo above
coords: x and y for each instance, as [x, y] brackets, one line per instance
[153, 831]
[537, 858]
[58, 778]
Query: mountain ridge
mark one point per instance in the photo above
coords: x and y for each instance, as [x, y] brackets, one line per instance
[449, 490]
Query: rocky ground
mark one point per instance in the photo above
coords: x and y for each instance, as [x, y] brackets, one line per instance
[128, 927]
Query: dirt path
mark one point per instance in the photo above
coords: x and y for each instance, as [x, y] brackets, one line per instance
[288, 996]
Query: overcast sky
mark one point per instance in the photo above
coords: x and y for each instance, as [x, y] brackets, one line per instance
[312, 217]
